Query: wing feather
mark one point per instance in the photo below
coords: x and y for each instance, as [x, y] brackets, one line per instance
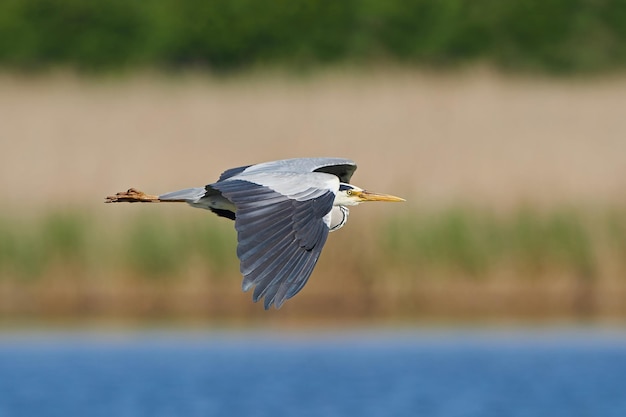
[232, 172]
[280, 290]
[280, 227]
[340, 167]
[274, 272]
[260, 257]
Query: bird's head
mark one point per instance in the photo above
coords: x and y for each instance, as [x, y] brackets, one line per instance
[351, 195]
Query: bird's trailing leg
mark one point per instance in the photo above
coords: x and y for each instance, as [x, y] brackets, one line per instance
[132, 196]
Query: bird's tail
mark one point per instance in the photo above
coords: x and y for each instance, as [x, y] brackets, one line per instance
[189, 195]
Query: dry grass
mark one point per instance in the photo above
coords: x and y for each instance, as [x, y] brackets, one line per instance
[474, 137]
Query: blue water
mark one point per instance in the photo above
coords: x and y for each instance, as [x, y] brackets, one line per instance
[360, 373]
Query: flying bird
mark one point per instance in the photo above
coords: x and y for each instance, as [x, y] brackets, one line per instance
[283, 211]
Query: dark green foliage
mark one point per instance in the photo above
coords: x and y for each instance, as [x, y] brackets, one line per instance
[229, 34]
[87, 34]
[560, 36]
[435, 32]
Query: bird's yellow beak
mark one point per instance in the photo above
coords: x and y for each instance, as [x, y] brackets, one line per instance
[368, 196]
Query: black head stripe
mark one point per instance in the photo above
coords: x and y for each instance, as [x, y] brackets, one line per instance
[345, 187]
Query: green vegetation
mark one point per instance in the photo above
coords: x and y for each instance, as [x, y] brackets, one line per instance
[474, 243]
[452, 242]
[155, 248]
[148, 247]
[560, 36]
[527, 262]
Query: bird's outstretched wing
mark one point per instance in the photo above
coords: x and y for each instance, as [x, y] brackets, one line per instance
[282, 223]
[340, 167]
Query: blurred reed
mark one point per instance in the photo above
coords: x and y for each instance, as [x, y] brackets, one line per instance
[475, 242]
[385, 267]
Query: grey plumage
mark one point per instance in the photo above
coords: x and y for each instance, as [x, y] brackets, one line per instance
[188, 194]
[280, 220]
[280, 239]
[283, 212]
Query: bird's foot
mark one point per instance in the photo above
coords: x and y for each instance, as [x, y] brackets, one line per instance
[132, 196]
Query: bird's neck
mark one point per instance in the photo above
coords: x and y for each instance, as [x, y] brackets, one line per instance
[338, 217]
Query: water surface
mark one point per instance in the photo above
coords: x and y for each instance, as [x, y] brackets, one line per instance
[356, 373]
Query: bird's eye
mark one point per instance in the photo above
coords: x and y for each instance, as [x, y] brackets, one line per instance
[349, 192]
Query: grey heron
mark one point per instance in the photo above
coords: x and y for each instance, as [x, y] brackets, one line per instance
[283, 211]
